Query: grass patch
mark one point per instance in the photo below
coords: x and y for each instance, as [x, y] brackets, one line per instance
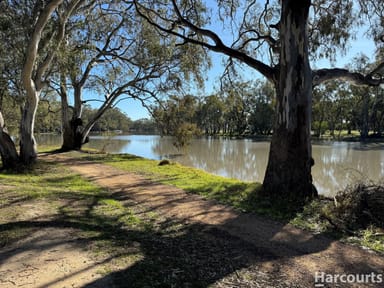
[244, 196]
[11, 236]
[53, 195]
[47, 180]
[140, 242]
[373, 238]
[239, 194]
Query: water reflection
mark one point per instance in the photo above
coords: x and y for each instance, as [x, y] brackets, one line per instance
[225, 157]
[337, 164]
[110, 143]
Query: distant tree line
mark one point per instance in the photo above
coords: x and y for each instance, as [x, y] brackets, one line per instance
[241, 109]
[244, 111]
[48, 119]
[339, 106]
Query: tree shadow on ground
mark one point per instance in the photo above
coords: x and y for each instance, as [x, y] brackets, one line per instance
[173, 255]
[155, 249]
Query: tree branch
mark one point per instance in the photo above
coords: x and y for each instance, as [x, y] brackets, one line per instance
[101, 52]
[32, 50]
[59, 38]
[371, 79]
[378, 70]
[218, 45]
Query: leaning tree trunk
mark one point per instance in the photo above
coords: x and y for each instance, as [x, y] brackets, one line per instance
[8, 151]
[88, 127]
[288, 174]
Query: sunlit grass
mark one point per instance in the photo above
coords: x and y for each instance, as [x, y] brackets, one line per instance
[236, 193]
[243, 196]
[47, 180]
[42, 188]
[52, 193]
[133, 235]
[55, 182]
[47, 148]
[373, 238]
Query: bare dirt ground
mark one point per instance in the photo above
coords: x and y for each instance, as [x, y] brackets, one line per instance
[273, 254]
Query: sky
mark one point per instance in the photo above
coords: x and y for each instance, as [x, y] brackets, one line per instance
[134, 110]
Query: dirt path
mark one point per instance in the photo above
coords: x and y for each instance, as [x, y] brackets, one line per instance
[49, 257]
[280, 251]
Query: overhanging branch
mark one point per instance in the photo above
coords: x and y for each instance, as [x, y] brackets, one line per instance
[375, 78]
[216, 46]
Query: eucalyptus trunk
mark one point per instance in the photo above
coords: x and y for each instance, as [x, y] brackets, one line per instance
[68, 133]
[71, 131]
[9, 156]
[71, 127]
[75, 134]
[32, 76]
[28, 147]
[288, 174]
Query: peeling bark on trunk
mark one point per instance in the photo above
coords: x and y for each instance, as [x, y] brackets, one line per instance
[288, 174]
[75, 135]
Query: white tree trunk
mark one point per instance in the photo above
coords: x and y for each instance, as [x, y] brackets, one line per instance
[28, 147]
[32, 82]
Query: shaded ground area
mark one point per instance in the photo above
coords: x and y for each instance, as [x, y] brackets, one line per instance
[150, 235]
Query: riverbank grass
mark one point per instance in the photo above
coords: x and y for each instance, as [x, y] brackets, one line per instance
[56, 187]
[118, 233]
[233, 192]
[126, 239]
[245, 197]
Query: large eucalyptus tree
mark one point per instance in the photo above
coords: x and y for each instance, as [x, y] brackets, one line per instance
[36, 66]
[39, 33]
[277, 39]
[111, 54]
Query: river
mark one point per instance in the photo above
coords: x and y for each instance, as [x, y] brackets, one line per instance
[337, 164]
